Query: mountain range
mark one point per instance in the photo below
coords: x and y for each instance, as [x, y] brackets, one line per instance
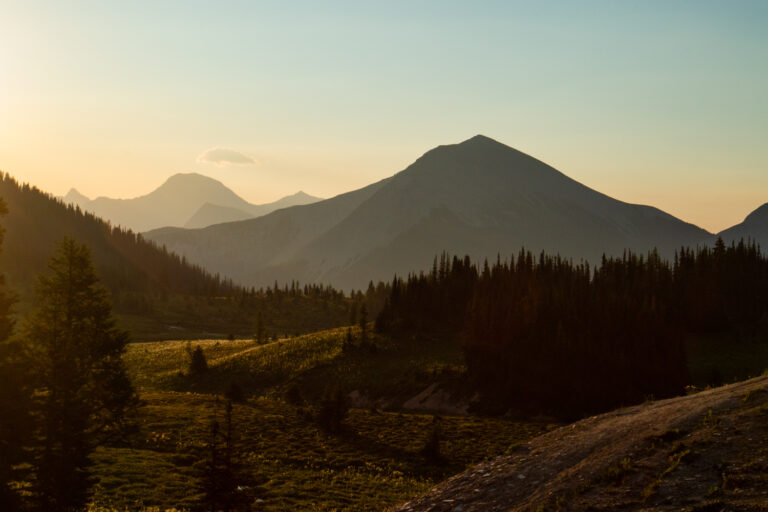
[479, 197]
[189, 200]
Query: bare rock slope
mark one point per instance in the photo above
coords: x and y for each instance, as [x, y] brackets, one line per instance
[706, 451]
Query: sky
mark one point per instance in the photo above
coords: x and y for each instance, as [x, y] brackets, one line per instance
[662, 103]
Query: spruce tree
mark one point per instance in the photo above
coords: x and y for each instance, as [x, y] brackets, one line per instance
[14, 398]
[198, 364]
[363, 323]
[224, 484]
[260, 329]
[83, 396]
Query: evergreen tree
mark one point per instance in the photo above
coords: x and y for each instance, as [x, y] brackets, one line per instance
[198, 365]
[349, 341]
[14, 399]
[224, 484]
[83, 396]
[333, 410]
[431, 450]
[363, 323]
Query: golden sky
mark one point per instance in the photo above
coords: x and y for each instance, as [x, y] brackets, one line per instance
[655, 103]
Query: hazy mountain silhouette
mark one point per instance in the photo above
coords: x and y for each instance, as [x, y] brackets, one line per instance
[210, 214]
[126, 263]
[181, 200]
[478, 197]
[754, 227]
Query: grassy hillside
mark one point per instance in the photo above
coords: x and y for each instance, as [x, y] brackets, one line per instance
[375, 461]
[308, 364]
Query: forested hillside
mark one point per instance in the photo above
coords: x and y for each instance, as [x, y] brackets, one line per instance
[155, 292]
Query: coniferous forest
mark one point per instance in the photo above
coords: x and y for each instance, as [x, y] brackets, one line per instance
[542, 334]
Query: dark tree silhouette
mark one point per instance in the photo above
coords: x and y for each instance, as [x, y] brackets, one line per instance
[83, 395]
[198, 365]
[225, 485]
[432, 447]
[363, 323]
[14, 399]
[333, 410]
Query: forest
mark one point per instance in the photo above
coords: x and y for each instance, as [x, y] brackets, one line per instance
[542, 334]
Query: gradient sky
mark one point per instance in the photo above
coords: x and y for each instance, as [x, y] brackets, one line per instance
[662, 103]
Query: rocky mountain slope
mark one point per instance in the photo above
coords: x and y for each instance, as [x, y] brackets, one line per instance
[478, 197]
[701, 452]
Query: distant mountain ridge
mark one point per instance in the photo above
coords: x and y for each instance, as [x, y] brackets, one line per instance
[479, 197]
[753, 228]
[190, 200]
[126, 262]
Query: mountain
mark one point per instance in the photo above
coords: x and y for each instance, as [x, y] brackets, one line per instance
[479, 197]
[180, 201]
[754, 227]
[127, 263]
[704, 451]
[210, 214]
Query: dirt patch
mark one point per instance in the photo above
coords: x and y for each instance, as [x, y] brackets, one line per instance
[707, 451]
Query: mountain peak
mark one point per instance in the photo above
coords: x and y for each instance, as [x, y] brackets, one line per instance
[480, 139]
[759, 215]
[300, 195]
[74, 196]
[190, 177]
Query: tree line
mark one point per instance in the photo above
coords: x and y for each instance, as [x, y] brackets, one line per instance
[544, 334]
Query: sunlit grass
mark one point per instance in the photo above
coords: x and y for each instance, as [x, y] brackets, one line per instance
[375, 461]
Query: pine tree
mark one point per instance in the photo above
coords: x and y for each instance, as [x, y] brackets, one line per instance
[260, 330]
[83, 396]
[14, 398]
[224, 484]
[198, 365]
[363, 323]
[431, 450]
[333, 410]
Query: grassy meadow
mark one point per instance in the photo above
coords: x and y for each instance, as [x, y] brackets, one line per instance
[376, 460]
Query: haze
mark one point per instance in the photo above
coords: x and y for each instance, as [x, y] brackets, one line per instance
[659, 103]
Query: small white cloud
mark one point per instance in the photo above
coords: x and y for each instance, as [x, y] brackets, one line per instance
[225, 156]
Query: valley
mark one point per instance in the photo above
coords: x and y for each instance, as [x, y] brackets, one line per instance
[291, 462]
